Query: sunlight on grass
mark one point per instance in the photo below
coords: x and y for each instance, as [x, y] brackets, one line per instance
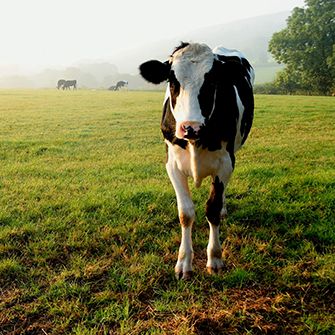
[89, 229]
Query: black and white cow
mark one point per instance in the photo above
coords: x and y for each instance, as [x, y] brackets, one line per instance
[207, 116]
[120, 84]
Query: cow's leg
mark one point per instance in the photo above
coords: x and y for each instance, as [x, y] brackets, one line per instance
[216, 211]
[183, 268]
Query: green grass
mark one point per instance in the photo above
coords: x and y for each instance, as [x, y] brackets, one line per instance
[89, 231]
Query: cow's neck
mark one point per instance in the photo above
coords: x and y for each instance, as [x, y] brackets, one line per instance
[204, 163]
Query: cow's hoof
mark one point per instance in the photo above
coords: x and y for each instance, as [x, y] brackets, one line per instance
[215, 267]
[213, 271]
[184, 275]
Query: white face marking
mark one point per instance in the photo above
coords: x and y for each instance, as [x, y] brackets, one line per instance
[190, 66]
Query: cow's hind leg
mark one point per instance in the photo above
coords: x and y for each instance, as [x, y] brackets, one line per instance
[183, 268]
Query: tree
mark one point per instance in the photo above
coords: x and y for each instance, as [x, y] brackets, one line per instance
[307, 47]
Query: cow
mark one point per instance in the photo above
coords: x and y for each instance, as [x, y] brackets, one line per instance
[207, 115]
[70, 83]
[120, 84]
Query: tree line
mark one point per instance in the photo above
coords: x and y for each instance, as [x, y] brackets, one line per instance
[307, 49]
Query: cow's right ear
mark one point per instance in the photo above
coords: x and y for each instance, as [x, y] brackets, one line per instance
[155, 71]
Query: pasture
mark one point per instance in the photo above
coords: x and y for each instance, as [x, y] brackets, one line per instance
[89, 233]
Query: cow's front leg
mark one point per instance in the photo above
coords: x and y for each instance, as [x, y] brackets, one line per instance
[216, 211]
[183, 268]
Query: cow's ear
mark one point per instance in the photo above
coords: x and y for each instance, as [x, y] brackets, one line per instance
[155, 71]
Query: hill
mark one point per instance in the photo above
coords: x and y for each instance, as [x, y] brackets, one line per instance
[251, 36]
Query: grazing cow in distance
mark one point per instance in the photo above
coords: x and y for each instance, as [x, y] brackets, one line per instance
[70, 83]
[120, 84]
[207, 116]
[60, 83]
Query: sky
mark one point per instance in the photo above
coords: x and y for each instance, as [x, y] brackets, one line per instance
[49, 33]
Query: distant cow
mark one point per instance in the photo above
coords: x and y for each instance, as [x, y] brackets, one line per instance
[70, 83]
[207, 116]
[120, 84]
[60, 83]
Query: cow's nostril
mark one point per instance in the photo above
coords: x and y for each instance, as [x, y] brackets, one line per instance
[188, 130]
[190, 133]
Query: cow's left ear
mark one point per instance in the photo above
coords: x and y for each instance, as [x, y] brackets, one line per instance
[155, 71]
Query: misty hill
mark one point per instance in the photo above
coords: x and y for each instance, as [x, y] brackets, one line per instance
[251, 36]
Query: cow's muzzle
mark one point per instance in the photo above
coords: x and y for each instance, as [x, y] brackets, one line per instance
[188, 130]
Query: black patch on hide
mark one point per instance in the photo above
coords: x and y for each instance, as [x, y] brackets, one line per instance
[174, 88]
[217, 99]
[168, 126]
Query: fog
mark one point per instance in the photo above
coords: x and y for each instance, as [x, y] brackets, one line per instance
[86, 39]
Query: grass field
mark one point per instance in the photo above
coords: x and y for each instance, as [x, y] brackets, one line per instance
[89, 231]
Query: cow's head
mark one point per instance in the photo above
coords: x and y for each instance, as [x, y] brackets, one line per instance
[191, 85]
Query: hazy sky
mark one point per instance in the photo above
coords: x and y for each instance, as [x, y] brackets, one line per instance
[39, 33]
